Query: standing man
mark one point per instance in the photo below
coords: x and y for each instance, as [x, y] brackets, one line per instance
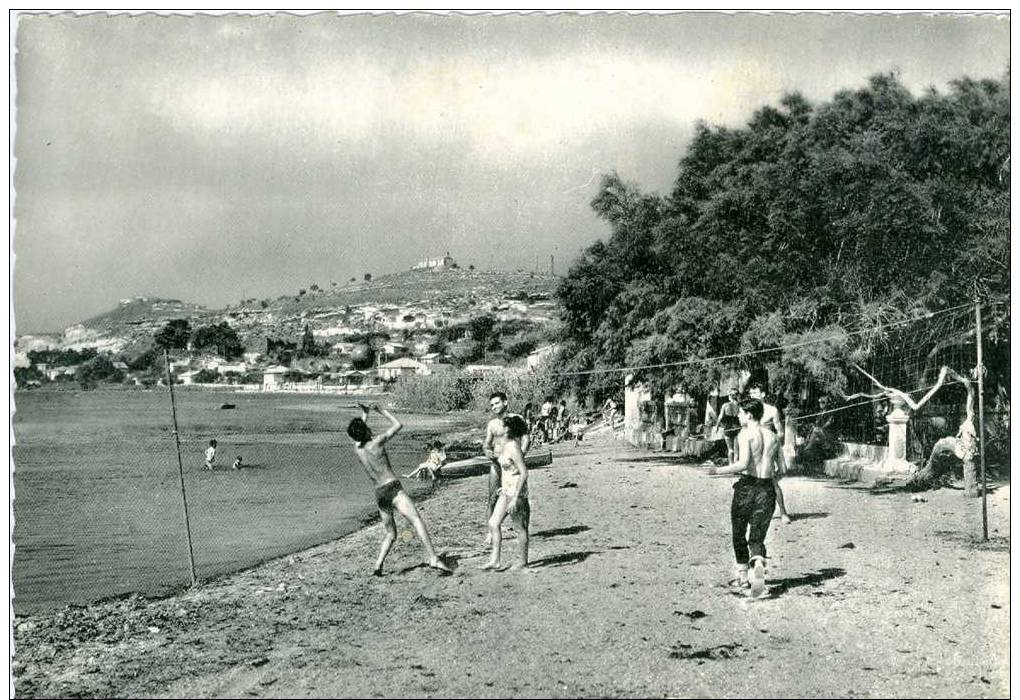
[495, 438]
[389, 493]
[770, 421]
[754, 496]
[730, 424]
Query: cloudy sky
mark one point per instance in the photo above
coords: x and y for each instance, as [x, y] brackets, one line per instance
[214, 158]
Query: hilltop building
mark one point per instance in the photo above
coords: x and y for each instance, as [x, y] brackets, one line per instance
[443, 263]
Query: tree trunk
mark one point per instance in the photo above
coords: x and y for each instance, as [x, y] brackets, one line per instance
[946, 453]
[938, 471]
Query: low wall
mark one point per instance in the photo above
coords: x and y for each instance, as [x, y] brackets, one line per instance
[859, 462]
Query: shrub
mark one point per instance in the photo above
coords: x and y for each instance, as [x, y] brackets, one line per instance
[205, 376]
[96, 370]
[519, 386]
[446, 391]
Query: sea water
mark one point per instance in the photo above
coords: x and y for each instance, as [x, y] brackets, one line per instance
[98, 504]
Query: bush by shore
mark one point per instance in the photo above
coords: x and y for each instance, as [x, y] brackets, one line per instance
[458, 390]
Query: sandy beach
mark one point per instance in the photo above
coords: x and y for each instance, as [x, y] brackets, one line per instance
[870, 596]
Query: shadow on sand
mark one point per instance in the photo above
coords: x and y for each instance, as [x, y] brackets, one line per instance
[807, 516]
[451, 560]
[779, 586]
[560, 531]
[560, 559]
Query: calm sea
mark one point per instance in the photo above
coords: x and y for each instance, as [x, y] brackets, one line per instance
[97, 494]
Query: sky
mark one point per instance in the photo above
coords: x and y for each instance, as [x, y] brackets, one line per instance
[215, 158]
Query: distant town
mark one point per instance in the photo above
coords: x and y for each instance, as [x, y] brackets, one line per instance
[363, 335]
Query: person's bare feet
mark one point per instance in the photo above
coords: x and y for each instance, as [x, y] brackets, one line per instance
[439, 564]
[519, 566]
[489, 566]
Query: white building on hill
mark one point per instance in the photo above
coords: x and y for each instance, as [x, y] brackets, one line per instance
[444, 262]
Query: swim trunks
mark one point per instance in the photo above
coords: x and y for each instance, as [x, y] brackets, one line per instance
[385, 494]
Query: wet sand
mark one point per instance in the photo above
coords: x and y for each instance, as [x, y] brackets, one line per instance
[870, 596]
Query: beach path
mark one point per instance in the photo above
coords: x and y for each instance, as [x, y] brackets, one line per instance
[870, 595]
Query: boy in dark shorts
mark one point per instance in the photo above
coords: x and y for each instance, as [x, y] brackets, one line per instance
[389, 494]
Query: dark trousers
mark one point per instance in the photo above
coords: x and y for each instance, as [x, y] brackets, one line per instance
[754, 501]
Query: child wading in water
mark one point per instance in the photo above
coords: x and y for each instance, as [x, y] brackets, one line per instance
[754, 496]
[210, 455]
[389, 494]
[513, 494]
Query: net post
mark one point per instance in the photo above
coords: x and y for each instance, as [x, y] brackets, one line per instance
[180, 467]
[980, 371]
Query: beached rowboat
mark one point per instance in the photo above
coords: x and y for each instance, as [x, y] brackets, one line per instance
[473, 466]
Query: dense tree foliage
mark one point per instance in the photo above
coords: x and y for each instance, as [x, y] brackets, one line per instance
[175, 335]
[219, 338]
[812, 221]
[98, 369]
[61, 358]
[309, 348]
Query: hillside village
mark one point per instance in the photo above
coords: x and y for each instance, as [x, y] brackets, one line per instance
[360, 334]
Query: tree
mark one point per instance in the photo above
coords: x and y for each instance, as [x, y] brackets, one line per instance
[144, 361]
[308, 345]
[24, 375]
[280, 351]
[219, 338]
[368, 276]
[809, 222]
[61, 357]
[205, 376]
[481, 328]
[99, 368]
[174, 335]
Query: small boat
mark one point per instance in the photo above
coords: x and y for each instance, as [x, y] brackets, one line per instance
[473, 466]
[227, 406]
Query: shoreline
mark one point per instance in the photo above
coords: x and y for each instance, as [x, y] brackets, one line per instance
[613, 529]
[127, 536]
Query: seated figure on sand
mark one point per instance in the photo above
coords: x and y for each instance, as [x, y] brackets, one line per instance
[429, 469]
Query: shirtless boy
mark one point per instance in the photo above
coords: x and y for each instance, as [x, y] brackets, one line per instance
[770, 421]
[495, 439]
[389, 494]
[754, 496]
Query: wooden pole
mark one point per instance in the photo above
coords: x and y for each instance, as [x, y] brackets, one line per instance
[180, 467]
[981, 420]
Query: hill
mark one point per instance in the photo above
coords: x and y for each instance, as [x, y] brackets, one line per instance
[406, 303]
